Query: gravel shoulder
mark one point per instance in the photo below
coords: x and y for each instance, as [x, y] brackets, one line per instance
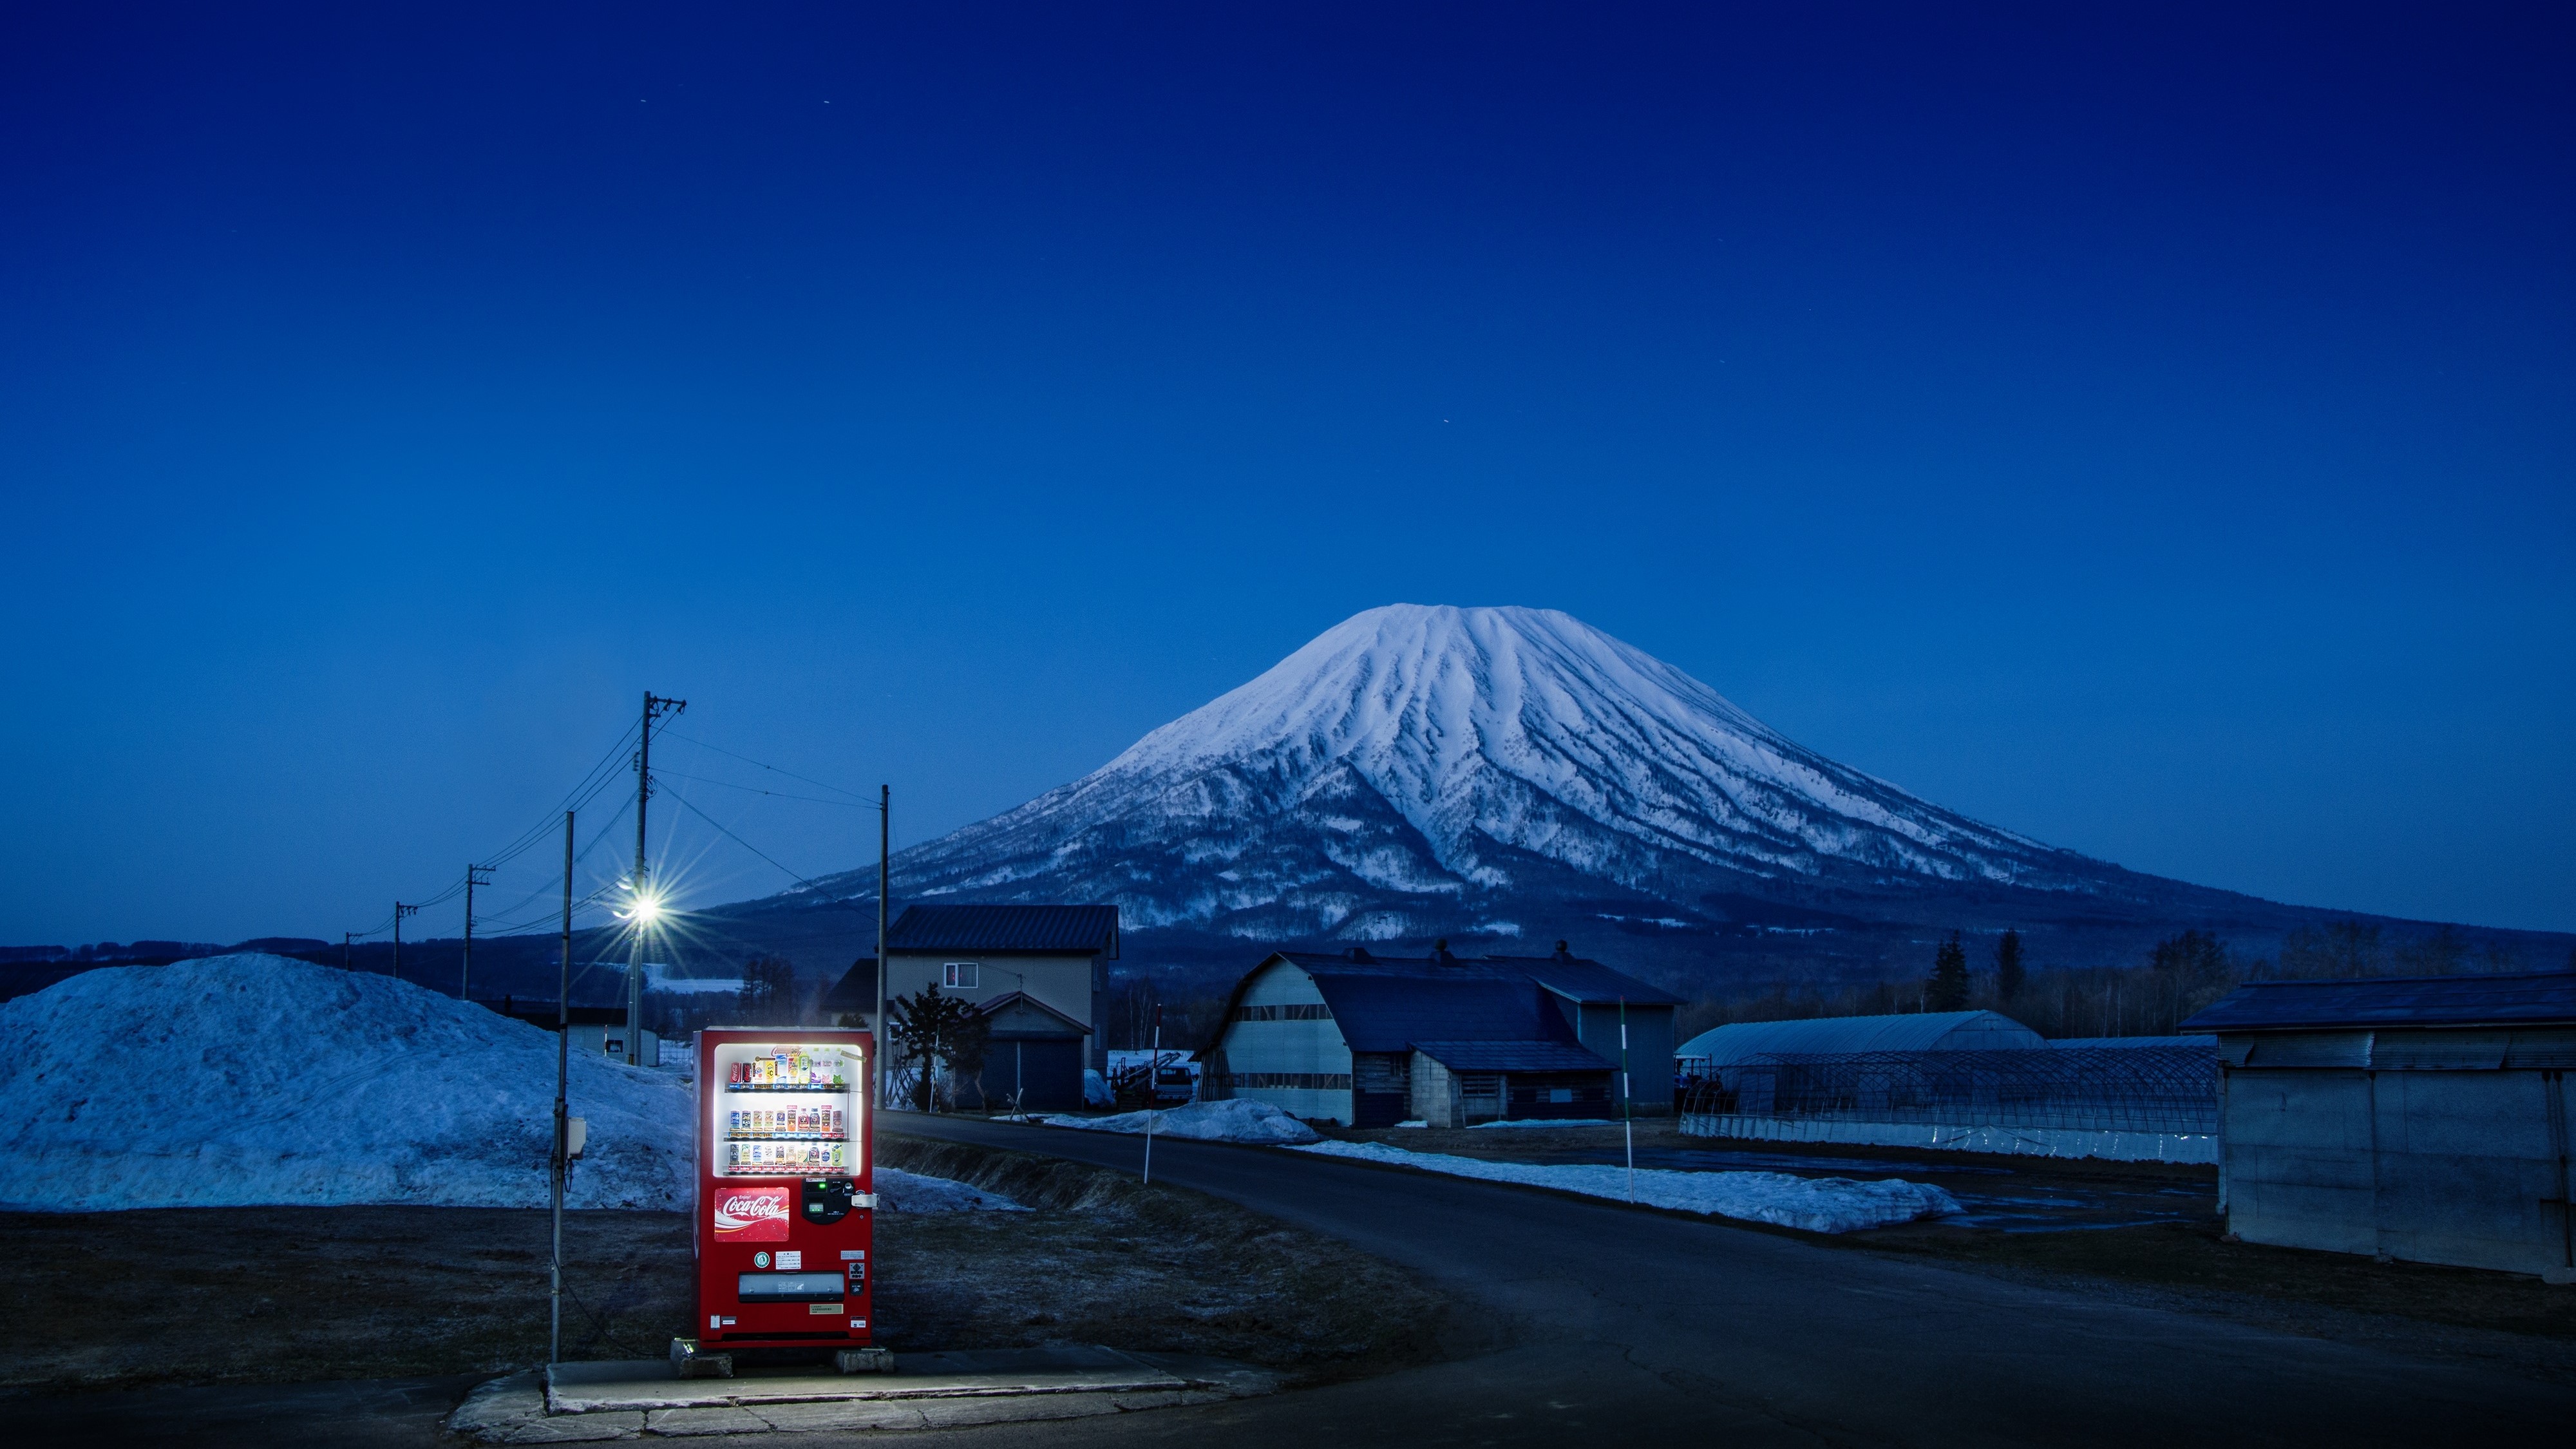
[276, 1295]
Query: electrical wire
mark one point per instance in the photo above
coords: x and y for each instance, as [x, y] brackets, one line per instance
[736, 839]
[756, 790]
[790, 774]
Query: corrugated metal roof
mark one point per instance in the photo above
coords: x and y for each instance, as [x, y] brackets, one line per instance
[1006, 930]
[2517, 999]
[1391, 1013]
[1388, 1003]
[1918, 1032]
[856, 990]
[1577, 977]
[1511, 1056]
[1585, 980]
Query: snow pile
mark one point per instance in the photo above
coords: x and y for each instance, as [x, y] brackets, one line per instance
[910, 1192]
[234, 1081]
[1233, 1121]
[1817, 1204]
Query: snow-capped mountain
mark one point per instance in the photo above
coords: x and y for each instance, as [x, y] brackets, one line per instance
[1417, 770]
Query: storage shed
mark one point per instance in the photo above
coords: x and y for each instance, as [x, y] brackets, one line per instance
[1370, 1041]
[1033, 1055]
[2416, 1118]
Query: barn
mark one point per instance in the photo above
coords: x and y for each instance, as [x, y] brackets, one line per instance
[2415, 1118]
[1369, 1041]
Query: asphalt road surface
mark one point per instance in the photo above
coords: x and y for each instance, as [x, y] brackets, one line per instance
[1591, 1323]
[1614, 1325]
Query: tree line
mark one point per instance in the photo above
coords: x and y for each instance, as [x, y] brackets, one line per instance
[2180, 975]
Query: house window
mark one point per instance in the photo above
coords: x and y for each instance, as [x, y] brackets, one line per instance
[1560, 1094]
[615, 1047]
[962, 974]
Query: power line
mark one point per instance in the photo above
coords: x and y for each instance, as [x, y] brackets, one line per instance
[736, 839]
[756, 790]
[790, 774]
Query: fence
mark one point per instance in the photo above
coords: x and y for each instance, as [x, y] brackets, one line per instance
[2165, 1090]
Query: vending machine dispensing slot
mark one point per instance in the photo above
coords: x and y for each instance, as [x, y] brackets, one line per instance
[785, 1196]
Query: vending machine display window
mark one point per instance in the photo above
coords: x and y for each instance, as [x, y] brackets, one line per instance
[786, 1109]
[784, 1189]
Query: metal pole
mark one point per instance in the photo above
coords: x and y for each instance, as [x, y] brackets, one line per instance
[885, 830]
[1151, 1056]
[1627, 1100]
[635, 931]
[563, 1069]
[465, 970]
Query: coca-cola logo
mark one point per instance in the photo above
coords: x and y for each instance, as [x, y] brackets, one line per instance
[753, 1215]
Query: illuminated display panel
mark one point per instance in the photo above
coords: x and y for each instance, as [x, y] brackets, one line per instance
[786, 1108]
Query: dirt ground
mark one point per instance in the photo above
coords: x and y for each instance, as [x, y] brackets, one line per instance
[214, 1295]
[2146, 1232]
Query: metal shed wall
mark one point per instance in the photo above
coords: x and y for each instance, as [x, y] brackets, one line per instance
[2437, 1147]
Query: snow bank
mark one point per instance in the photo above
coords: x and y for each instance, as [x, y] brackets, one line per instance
[910, 1192]
[1817, 1204]
[1233, 1121]
[235, 1081]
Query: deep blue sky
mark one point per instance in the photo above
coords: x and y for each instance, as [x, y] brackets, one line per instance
[2149, 430]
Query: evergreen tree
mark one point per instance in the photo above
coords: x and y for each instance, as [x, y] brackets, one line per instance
[1948, 988]
[2009, 971]
[768, 984]
[942, 1041]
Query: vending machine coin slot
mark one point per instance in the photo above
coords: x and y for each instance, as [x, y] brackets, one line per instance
[827, 1199]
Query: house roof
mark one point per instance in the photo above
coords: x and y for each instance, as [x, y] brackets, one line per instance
[1835, 1035]
[1511, 1056]
[1050, 1023]
[1006, 930]
[1577, 978]
[857, 988]
[537, 1011]
[2515, 999]
[1391, 1003]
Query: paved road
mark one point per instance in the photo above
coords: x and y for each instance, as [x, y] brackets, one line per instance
[1589, 1323]
[1620, 1325]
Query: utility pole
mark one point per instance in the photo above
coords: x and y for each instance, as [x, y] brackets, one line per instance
[885, 812]
[654, 708]
[344, 949]
[465, 974]
[1627, 1100]
[563, 1068]
[400, 911]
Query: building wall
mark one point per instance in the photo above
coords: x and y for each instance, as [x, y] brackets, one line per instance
[1047, 1071]
[1307, 1050]
[1650, 1050]
[2464, 1166]
[1381, 1088]
[1066, 983]
[1435, 1093]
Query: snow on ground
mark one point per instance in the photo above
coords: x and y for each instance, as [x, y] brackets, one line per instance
[1541, 1122]
[910, 1192]
[250, 1080]
[1817, 1204]
[1237, 1120]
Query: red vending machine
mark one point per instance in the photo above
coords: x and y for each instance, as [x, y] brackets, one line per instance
[785, 1193]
